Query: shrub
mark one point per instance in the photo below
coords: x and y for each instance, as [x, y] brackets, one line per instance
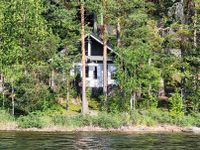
[197, 119]
[136, 118]
[106, 120]
[5, 116]
[68, 121]
[161, 116]
[32, 96]
[33, 120]
[142, 119]
[103, 120]
[176, 109]
[185, 121]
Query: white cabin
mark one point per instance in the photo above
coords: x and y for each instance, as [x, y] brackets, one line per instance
[94, 63]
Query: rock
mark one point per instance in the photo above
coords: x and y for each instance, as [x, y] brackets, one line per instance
[195, 130]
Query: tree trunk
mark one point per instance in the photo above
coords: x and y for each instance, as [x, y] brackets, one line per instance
[133, 102]
[195, 25]
[68, 94]
[95, 23]
[118, 33]
[105, 74]
[150, 87]
[53, 79]
[84, 99]
[3, 90]
[13, 100]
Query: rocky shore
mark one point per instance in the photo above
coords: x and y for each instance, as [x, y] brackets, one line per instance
[137, 129]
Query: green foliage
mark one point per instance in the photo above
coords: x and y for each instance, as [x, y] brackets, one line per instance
[26, 99]
[196, 117]
[67, 121]
[176, 109]
[5, 116]
[142, 119]
[32, 120]
[38, 36]
[103, 120]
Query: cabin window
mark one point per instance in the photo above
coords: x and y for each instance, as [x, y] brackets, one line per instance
[113, 74]
[87, 71]
[95, 72]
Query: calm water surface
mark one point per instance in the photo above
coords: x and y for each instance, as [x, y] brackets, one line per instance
[93, 140]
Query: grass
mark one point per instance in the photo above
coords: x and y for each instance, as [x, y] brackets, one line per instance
[53, 118]
[103, 120]
[106, 120]
[6, 120]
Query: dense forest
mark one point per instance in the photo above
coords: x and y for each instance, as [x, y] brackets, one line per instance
[157, 47]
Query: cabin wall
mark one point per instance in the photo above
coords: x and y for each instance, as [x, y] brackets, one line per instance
[96, 48]
[93, 80]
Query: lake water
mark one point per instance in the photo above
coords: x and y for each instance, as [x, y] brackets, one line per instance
[97, 140]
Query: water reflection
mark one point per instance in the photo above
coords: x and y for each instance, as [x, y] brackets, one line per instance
[92, 140]
[86, 140]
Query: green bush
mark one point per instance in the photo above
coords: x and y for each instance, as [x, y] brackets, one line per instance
[5, 116]
[68, 121]
[185, 121]
[176, 109]
[136, 118]
[33, 120]
[196, 117]
[32, 96]
[142, 119]
[103, 120]
[162, 117]
[165, 117]
[106, 120]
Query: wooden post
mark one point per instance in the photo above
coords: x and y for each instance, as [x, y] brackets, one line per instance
[105, 72]
[84, 99]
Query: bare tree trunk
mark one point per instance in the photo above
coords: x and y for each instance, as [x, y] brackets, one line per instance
[118, 33]
[3, 91]
[162, 87]
[133, 102]
[150, 87]
[67, 81]
[13, 100]
[195, 22]
[3, 88]
[95, 23]
[105, 74]
[84, 99]
[195, 25]
[68, 94]
[53, 79]
[149, 93]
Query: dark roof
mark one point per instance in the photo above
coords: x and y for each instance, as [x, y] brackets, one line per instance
[98, 39]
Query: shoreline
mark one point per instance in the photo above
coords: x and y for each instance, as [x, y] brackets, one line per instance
[124, 129]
